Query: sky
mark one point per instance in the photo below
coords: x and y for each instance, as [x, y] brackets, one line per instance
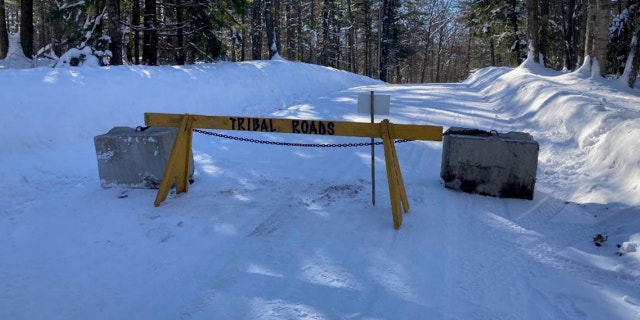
[276, 232]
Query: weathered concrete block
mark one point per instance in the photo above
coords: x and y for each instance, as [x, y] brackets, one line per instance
[135, 159]
[489, 163]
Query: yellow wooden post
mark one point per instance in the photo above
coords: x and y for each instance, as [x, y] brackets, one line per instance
[394, 191]
[177, 170]
[396, 165]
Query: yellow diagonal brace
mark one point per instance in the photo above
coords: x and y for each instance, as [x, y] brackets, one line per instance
[394, 191]
[396, 166]
[177, 169]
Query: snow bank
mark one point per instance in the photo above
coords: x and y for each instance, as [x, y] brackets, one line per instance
[119, 96]
[600, 117]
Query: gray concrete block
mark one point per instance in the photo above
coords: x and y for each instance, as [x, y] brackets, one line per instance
[134, 159]
[490, 163]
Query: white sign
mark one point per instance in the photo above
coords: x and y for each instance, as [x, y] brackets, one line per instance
[380, 103]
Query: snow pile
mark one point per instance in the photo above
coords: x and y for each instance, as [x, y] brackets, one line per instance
[600, 117]
[121, 95]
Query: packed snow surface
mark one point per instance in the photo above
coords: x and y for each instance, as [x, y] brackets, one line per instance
[275, 232]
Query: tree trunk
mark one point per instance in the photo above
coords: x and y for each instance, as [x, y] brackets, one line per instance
[326, 12]
[299, 41]
[256, 30]
[425, 58]
[115, 32]
[44, 37]
[569, 40]
[351, 34]
[271, 28]
[383, 45]
[26, 27]
[492, 51]
[150, 35]
[601, 34]
[635, 61]
[300, 47]
[4, 34]
[543, 38]
[99, 10]
[590, 32]
[389, 43]
[135, 21]
[180, 54]
[368, 38]
[533, 25]
[291, 38]
[632, 66]
[513, 18]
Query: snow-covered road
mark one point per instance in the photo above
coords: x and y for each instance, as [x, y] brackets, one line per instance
[274, 232]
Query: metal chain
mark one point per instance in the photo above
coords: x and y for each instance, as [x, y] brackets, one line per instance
[291, 144]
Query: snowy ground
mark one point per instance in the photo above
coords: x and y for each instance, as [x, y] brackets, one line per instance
[271, 232]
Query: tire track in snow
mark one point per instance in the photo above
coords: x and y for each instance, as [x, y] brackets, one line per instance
[547, 247]
[545, 235]
[462, 284]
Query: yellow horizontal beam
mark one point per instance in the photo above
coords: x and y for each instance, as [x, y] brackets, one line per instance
[295, 126]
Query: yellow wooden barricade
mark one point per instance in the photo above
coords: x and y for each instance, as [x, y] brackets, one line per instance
[177, 170]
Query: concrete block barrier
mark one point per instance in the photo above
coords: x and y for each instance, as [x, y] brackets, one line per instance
[490, 163]
[134, 159]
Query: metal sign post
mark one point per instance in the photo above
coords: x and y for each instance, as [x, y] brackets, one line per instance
[377, 104]
[373, 158]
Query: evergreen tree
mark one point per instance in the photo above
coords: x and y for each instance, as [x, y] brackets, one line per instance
[82, 38]
[499, 24]
[621, 32]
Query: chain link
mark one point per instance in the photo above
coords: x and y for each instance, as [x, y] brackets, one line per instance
[291, 144]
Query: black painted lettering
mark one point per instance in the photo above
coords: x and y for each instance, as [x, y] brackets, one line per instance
[312, 128]
[330, 127]
[233, 123]
[321, 128]
[272, 129]
[240, 122]
[256, 125]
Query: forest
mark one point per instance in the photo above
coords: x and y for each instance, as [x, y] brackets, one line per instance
[397, 41]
